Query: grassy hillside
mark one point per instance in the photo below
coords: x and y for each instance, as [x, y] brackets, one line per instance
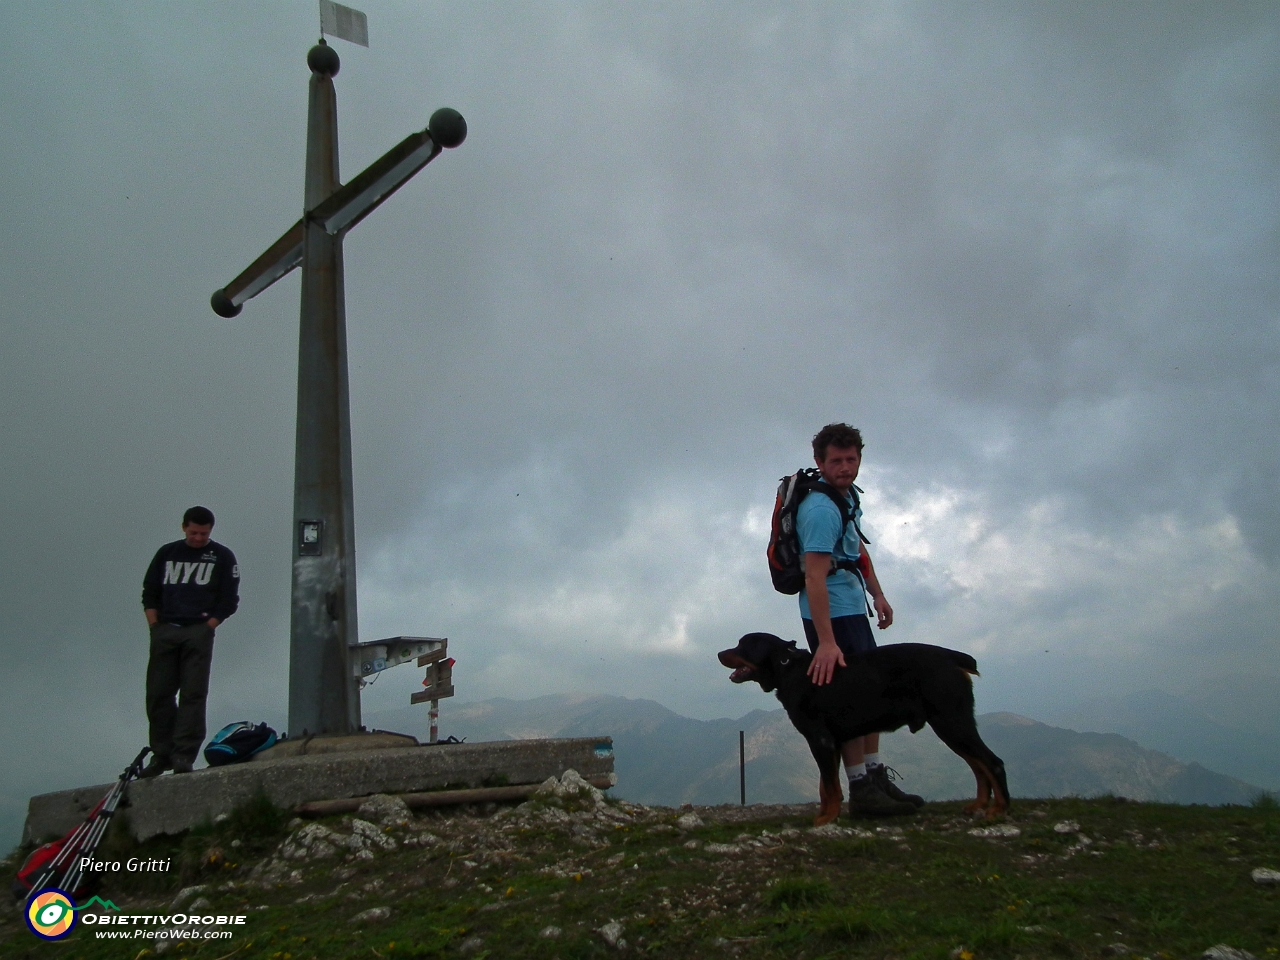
[576, 879]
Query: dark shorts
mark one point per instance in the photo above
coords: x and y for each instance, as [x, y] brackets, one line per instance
[853, 634]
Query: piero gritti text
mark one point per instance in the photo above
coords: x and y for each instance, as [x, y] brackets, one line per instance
[132, 865]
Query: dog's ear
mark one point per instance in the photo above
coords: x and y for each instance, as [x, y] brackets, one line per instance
[784, 655]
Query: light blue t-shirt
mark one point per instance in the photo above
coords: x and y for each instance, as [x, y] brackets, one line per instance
[818, 527]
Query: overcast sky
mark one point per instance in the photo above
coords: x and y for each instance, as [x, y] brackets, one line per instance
[1029, 249]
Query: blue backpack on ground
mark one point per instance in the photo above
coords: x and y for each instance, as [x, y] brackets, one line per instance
[238, 741]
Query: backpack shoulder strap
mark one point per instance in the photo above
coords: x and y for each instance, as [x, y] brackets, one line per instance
[833, 495]
[847, 515]
[854, 490]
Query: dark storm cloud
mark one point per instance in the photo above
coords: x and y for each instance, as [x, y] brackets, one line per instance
[1029, 249]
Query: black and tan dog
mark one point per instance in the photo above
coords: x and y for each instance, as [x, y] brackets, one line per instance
[904, 684]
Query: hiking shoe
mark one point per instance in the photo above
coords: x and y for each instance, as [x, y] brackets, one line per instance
[182, 766]
[884, 777]
[155, 766]
[866, 799]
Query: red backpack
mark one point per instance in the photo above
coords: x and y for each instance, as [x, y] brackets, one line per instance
[58, 863]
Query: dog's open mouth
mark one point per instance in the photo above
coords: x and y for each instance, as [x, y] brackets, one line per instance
[742, 670]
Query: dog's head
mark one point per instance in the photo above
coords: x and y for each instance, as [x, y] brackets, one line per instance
[760, 657]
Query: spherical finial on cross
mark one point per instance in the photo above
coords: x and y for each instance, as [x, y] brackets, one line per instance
[222, 304]
[447, 127]
[323, 59]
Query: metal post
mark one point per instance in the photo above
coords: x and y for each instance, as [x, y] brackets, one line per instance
[434, 714]
[742, 765]
[323, 695]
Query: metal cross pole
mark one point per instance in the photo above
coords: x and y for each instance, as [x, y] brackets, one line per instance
[324, 694]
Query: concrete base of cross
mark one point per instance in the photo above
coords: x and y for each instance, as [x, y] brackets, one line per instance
[174, 803]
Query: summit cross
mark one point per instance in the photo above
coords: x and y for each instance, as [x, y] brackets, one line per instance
[324, 692]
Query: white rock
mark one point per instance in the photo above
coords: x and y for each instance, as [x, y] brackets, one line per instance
[549, 787]
[550, 933]
[421, 840]
[689, 821]
[1266, 876]
[222, 818]
[571, 782]
[312, 833]
[1066, 826]
[1224, 952]
[386, 811]
[611, 932]
[723, 848]
[268, 872]
[188, 892]
[999, 830]
[373, 834]
[470, 945]
[835, 830]
[198, 904]
[372, 915]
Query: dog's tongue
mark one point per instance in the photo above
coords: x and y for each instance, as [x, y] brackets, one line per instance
[740, 675]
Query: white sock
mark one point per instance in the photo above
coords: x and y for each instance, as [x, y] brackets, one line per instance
[873, 760]
[856, 771]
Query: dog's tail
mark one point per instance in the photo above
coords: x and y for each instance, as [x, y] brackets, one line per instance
[964, 662]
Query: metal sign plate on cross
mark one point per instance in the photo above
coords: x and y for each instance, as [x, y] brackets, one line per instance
[324, 695]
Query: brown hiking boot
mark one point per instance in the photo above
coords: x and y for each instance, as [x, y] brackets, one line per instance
[866, 799]
[884, 777]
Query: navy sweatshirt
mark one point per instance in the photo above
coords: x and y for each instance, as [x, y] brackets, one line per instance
[189, 585]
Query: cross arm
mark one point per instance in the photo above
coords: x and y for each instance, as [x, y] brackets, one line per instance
[345, 207]
[352, 202]
[342, 210]
[279, 258]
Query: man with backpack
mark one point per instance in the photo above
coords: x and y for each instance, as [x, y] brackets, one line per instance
[837, 576]
[192, 585]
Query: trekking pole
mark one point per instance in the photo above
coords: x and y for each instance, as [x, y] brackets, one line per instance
[87, 836]
[74, 874]
[70, 847]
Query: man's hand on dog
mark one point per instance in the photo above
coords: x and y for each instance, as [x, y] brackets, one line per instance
[824, 664]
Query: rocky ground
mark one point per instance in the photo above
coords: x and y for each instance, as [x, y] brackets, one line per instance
[571, 874]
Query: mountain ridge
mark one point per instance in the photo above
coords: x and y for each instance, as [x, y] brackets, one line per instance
[662, 757]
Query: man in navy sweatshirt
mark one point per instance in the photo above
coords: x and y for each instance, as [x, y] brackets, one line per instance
[192, 585]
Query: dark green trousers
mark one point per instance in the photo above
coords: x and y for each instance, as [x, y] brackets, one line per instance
[177, 686]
